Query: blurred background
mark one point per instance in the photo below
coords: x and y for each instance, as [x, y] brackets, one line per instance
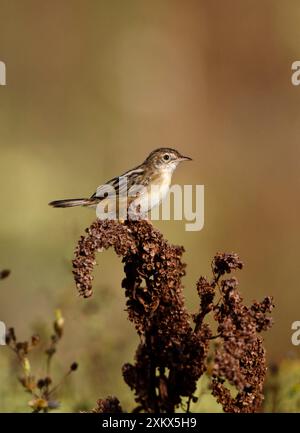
[94, 86]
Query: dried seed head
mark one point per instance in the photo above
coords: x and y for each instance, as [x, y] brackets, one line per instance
[172, 356]
[74, 366]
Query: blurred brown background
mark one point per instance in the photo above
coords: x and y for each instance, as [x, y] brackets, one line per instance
[92, 87]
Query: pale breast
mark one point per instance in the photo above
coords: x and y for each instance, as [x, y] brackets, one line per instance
[155, 193]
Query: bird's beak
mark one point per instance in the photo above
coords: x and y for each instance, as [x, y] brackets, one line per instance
[185, 158]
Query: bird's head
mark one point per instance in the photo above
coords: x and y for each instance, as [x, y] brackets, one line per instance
[166, 158]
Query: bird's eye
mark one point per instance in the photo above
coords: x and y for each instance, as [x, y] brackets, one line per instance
[166, 157]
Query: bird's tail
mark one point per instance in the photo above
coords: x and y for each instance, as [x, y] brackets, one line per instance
[72, 202]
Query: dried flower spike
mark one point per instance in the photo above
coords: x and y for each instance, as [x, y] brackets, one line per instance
[172, 356]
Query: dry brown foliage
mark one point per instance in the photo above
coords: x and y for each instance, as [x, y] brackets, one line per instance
[174, 344]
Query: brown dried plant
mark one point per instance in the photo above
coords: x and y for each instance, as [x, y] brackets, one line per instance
[42, 390]
[174, 344]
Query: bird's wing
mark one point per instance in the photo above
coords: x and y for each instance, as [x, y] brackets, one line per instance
[122, 184]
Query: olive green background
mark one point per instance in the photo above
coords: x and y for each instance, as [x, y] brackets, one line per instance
[94, 86]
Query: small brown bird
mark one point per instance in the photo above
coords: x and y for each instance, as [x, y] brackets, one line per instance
[145, 186]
